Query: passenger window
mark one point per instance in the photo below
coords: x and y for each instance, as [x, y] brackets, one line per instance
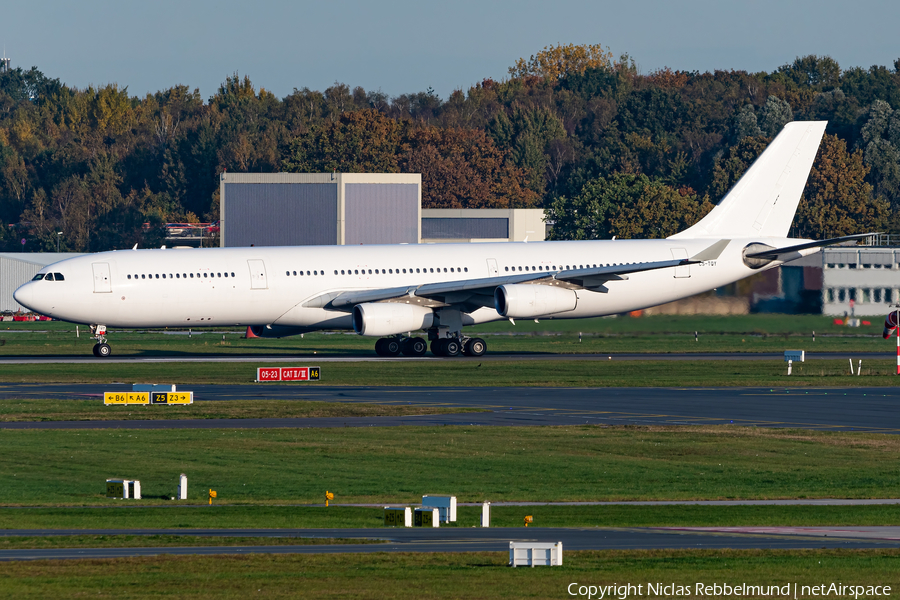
[129, 277]
[164, 275]
[288, 273]
[466, 269]
[232, 274]
[306, 272]
[192, 275]
[356, 271]
[370, 271]
[445, 269]
[143, 276]
[177, 276]
[157, 275]
[219, 274]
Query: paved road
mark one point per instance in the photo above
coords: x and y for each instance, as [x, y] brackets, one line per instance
[844, 409]
[456, 539]
[494, 356]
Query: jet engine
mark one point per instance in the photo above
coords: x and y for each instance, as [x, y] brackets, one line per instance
[529, 301]
[377, 319]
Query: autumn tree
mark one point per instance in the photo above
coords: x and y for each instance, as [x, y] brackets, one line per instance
[462, 168]
[626, 206]
[556, 62]
[357, 142]
[837, 200]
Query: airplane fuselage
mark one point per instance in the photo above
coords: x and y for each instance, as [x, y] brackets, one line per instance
[280, 285]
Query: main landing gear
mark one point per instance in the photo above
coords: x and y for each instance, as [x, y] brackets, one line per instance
[414, 346]
[101, 348]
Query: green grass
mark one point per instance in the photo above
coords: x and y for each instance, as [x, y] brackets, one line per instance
[399, 464]
[661, 333]
[15, 542]
[434, 575]
[95, 410]
[133, 516]
[544, 373]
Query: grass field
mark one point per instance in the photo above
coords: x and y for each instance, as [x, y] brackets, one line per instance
[14, 542]
[660, 333]
[399, 464]
[549, 373]
[435, 575]
[133, 516]
[95, 410]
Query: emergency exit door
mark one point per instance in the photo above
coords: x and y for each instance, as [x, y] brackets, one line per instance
[101, 278]
[257, 274]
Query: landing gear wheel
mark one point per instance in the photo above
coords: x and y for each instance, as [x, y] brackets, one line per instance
[475, 347]
[452, 347]
[437, 347]
[94, 350]
[102, 350]
[414, 347]
[387, 347]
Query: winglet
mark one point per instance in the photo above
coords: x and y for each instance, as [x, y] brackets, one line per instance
[711, 253]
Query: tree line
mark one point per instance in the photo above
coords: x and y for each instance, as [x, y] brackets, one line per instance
[603, 148]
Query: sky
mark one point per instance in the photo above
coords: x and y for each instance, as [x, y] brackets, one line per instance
[405, 47]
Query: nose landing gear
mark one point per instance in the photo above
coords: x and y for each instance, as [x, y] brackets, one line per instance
[101, 348]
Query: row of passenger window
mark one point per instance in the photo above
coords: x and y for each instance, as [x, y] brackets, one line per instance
[549, 268]
[49, 277]
[383, 271]
[179, 275]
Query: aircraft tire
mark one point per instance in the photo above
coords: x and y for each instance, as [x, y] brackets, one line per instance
[452, 347]
[103, 350]
[475, 347]
[391, 346]
[94, 350]
[414, 347]
[437, 348]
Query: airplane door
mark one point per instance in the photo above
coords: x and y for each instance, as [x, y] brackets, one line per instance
[101, 278]
[257, 274]
[492, 267]
[681, 272]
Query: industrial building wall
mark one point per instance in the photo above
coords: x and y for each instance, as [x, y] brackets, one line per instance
[381, 213]
[464, 228]
[280, 214]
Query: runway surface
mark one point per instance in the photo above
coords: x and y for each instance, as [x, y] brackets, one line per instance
[494, 356]
[458, 539]
[841, 409]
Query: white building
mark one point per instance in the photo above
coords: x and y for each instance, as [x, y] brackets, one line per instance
[860, 280]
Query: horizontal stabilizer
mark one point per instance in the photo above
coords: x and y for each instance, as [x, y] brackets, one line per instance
[774, 253]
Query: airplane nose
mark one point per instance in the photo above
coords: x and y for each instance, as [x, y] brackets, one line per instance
[24, 295]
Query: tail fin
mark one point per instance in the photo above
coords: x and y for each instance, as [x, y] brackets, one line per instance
[763, 202]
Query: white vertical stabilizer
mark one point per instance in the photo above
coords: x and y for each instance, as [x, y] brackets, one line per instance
[763, 202]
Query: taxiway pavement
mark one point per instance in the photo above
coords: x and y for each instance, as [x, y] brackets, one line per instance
[841, 409]
[458, 539]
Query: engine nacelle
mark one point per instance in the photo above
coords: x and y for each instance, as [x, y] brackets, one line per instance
[377, 319]
[519, 301]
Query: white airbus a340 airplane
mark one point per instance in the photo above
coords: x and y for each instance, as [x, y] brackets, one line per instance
[387, 291]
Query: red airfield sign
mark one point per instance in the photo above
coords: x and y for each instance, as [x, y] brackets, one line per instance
[287, 374]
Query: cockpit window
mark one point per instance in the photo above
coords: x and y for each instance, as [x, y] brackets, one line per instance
[38, 277]
[59, 277]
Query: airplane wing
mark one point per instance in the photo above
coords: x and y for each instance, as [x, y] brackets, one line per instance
[472, 294]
